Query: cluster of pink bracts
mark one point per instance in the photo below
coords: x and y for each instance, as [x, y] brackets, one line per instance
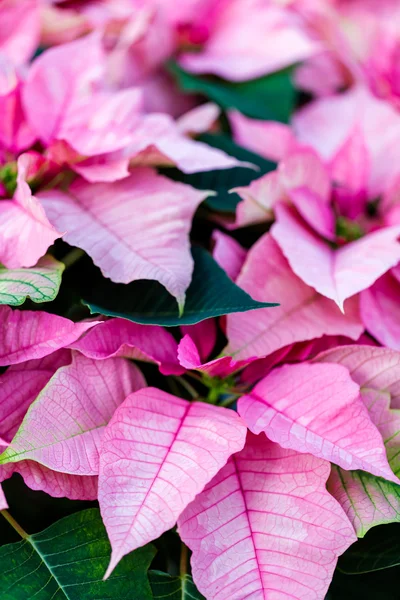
[269, 496]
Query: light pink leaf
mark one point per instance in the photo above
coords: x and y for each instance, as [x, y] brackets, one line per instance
[326, 124]
[158, 452]
[119, 337]
[228, 253]
[258, 200]
[58, 80]
[104, 122]
[189, 358]
[154, 245]
[20, 30]
[20, 385]
[302, 315]
[249, 40]
[27, 335]
[380, 311]
[159, 141]
[24, 213]
[305, 169]
[301, 179]
[200, 119]
[336, 274]
[370, 366]
[265, 527]
[63, 428]
[3, 501]
[367, 500]
[58, 485]
[317, 409]
[268, 138]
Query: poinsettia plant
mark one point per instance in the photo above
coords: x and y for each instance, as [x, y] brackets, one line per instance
[199, 299]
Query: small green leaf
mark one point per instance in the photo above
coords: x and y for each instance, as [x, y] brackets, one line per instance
[271, 97]
[40, 283]
[222, 181]
[211, 294]
[68, 560]
[174, 588]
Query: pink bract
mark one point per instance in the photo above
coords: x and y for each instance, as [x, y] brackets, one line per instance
[27, 335]
[119, 337]
[24, 213]
[158, 452]
[240, 527]
[153, 246]
[54, 483]
[302, 315]
[317, 409]
[63, 428]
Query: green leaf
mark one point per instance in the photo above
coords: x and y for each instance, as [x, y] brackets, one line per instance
[173, 588]
[222, 181]
[380, 549]
[40, 283]
[68, 560]
[271, 97]
[211, 294]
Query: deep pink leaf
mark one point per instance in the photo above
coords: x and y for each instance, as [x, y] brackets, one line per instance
[119, 337]
[63, 428]
[58, 485]
[158, 452]
[27, 335]
[204, 335]
[380, 311]
[265, 527]
[317, 409]
[20, 385]
[228, 253]
[189, 358]
[3, 501]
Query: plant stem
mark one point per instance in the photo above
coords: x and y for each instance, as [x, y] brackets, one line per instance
[194, 376]
[183, 563]
[187, 387]
[72, 257]
[229, 400]
[14, 524]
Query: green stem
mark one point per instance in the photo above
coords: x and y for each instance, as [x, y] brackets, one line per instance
[183, 563]
[194, 394]
[14, 524]
[72, 257]
[230, 400]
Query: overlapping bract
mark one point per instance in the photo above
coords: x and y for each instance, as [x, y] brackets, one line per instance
[90, 114]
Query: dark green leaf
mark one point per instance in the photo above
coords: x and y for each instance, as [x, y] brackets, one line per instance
[378, 550]
[174, 588]
[210, 294]
[271, 97]
[221, 181]
[68, 560]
